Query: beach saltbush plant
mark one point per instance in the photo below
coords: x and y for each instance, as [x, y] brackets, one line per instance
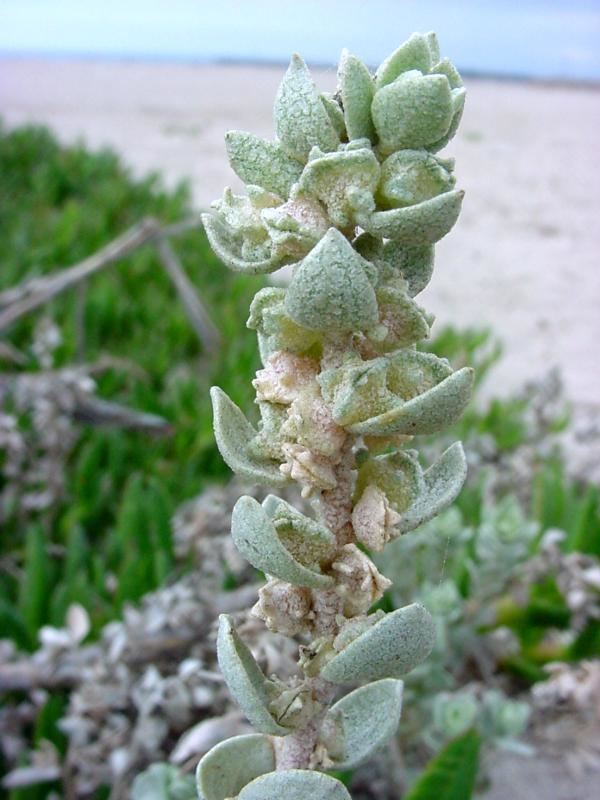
[353, 194]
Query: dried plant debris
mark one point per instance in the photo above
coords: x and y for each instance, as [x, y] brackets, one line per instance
[577, 576]
[40, 424]
[148, 691]
[541, 412]
[566, 720]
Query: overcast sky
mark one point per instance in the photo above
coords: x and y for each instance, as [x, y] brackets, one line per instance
[542, 38]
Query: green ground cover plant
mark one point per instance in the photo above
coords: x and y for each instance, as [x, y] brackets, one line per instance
[58, 205]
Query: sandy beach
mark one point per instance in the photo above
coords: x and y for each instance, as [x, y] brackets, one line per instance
[523, 258]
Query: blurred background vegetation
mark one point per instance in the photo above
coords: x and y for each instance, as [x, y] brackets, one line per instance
[108, 539]
[57, 206]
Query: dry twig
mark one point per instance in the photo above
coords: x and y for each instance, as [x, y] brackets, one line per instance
[18, 301]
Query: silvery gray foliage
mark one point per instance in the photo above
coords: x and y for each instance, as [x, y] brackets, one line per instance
[353, 194]
[162, 781]
[450, 691]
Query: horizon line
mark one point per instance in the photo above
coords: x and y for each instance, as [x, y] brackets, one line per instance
[148, 58]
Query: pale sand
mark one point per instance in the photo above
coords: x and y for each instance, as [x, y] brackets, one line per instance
[523, 257]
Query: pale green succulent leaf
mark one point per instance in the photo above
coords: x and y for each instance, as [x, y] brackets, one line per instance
[227, 768]
[409, 177]
[224, 242]
[412, 112]
[234, 435]
[415, 263]
[256, 538]
[301, 120]
[295, 784]
[458, 104]
[442, 484]
[269, 439]
[257, 161]
[366, 393]
[447, 68]
[357, 90]
[398, 475]
[421, 224]
[330, 290]
[276, 329]
[426, 413]
[391, 648]
[336, 115]
[245, 679]
[307, 540]
[344, 182]
[414, 54]
[434, 46]
[366, 718]
[406, 322]
[357, 390]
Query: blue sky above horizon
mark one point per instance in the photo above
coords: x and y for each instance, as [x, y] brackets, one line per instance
[535, 38]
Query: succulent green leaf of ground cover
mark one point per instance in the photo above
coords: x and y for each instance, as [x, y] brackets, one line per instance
[356, 89]
[452, 773]
[391, 648]
[295, 784]
[301, 119]
[364, 720]
[245, 679]
[234, 435]
[262, 163]
[256, 538]
[330, 290]
[423, 223]
[414, 263]
[442, 484]
[228, 767]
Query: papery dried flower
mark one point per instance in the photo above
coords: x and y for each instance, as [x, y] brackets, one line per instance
[374, 519]
[284, 608]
